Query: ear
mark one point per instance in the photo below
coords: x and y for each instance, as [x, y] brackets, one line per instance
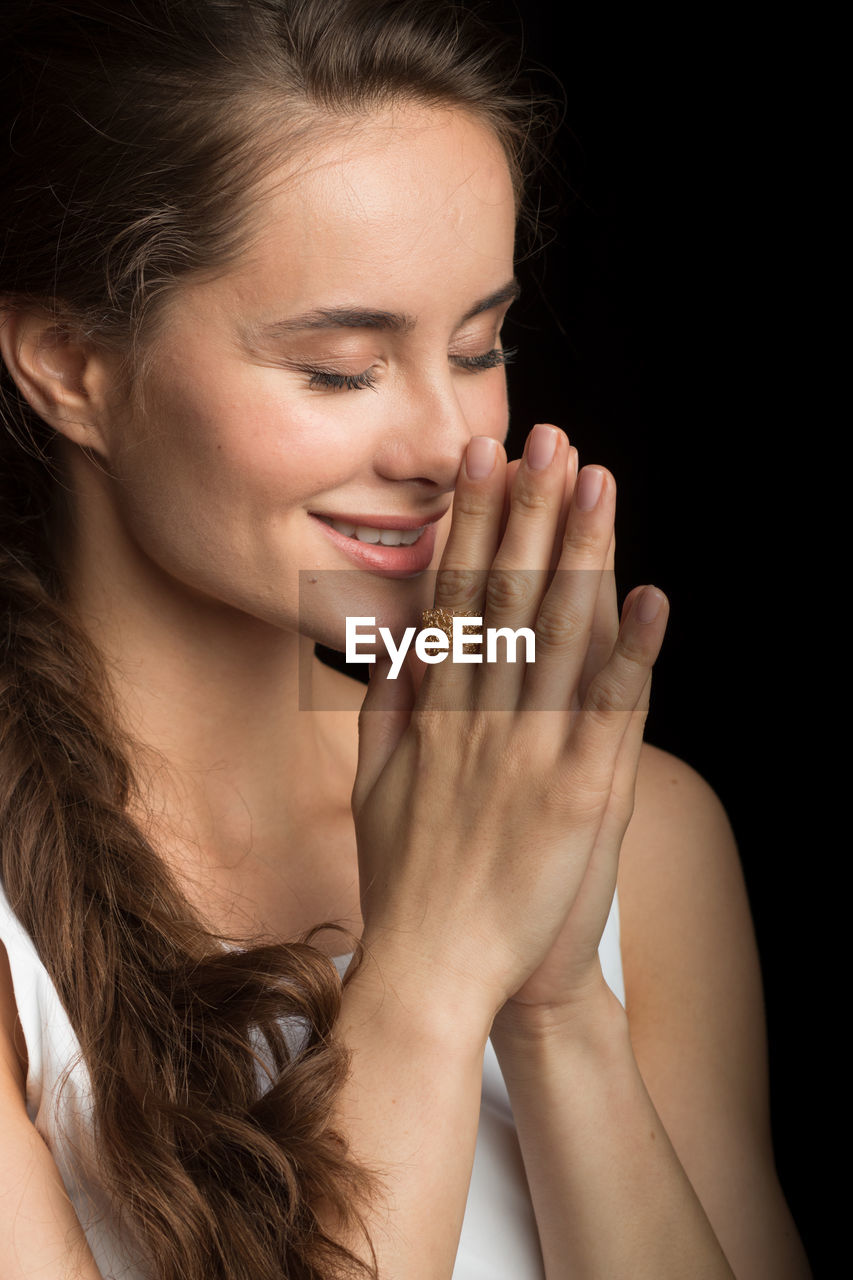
[65, 377]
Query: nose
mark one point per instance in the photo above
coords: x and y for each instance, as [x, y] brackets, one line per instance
[425, 442]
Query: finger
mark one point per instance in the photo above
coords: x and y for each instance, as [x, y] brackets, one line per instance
[511, 471]
[600, 878]
[521, 569]
[463, 585]
[475, 529]
[382, 720]
[628, 757]
[571, 476]
[620, 805]
[620, 689]
[567, 613]
[565, 504]
[605, 623]
[471, 543]
[627, 762]
[535, 500]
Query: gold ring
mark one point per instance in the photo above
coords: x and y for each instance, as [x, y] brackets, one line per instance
[442, 620]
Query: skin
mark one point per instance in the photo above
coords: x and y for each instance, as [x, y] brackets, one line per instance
[197, 524]
[191, 520]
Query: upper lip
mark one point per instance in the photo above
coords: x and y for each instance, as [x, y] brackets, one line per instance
[384, 522]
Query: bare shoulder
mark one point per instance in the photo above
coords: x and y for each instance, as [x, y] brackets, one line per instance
[696, 1012]
[680, 831]
[680, 842]
[669, 793]
[688, 944]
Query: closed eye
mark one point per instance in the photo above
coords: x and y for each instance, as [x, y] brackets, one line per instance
[493, 359]
[323, 379]
[328, 380]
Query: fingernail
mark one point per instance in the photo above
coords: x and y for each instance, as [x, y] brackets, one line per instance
[649, 604]
[480, 457]
[541, 446]
[590, 483]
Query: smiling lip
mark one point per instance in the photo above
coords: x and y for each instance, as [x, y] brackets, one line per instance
[382, 522]
[389, 562]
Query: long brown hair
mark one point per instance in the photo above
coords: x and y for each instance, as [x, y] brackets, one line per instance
[136, 132]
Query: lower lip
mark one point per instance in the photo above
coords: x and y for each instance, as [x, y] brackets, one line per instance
[390, 562]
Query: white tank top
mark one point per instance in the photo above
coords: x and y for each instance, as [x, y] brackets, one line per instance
[499, 1239]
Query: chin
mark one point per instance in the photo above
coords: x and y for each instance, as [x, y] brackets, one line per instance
[328, 597]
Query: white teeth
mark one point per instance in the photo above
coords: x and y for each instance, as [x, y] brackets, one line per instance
[364, 533]
[400, 537]
[387, 537]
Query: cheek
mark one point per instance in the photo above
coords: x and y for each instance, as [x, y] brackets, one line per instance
[235, 444]
[214, 482]
[483, 400]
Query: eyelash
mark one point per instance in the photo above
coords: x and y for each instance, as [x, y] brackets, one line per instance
[323, 380]
[493, 359]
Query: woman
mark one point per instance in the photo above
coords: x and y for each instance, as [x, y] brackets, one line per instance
[257, 263]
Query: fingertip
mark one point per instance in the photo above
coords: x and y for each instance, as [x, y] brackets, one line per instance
[553, 427]
[481, 454]
[648, 604]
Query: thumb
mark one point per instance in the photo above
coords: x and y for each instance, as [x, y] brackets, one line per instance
[382, 721]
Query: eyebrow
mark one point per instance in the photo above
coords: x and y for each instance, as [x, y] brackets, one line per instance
[366, 318]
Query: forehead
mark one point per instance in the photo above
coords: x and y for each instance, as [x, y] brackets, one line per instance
[407, 196]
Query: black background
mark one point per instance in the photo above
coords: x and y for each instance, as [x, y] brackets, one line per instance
[659, 326]
[656, 328]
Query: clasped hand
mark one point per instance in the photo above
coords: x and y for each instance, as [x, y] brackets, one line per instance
[491, 800]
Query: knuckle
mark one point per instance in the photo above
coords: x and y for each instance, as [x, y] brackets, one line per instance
[457, 585]
[454, 744]
[583, 542]
[528, 501]
[472, 504]
[486, 732]
[557, 628]
[632, 653]
[506, 589]
[429, 732]
[607, 696]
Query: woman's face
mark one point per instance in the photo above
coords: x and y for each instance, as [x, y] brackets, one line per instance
[335, 373]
